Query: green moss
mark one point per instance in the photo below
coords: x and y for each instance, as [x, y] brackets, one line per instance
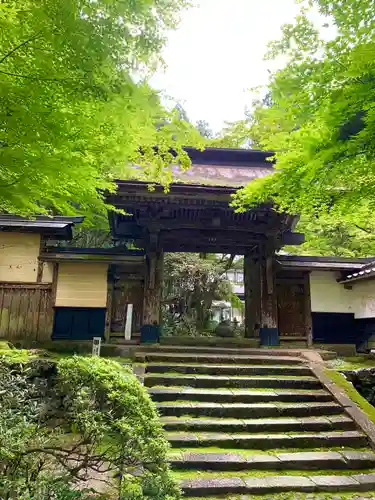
[16, 355]
[193, 474]
[296, 496]
[353, 362]
[4, 345]
[352, 393]
[176, 452]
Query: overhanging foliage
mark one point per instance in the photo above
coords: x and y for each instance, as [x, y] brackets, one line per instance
[75, 107]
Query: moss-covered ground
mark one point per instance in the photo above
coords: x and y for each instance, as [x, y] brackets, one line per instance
[297, 496]
[352, 393]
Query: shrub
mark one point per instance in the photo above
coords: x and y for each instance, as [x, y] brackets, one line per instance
[75, 419]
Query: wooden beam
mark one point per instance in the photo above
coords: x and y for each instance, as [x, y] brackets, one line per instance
[26, 286]
[108, 314]
[228, 248]
[252, 295]
[289, 238]
[42, 247]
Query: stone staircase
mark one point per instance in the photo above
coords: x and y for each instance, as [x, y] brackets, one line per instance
[249, 421]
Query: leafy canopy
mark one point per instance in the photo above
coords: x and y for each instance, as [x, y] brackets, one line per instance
[75, 107]
[319, 118]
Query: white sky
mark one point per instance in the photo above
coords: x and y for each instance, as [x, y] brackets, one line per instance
[217, 54]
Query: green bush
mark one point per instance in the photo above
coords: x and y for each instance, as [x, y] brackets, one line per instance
[74, 419]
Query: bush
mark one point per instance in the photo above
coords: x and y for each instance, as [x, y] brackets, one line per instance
[63, 423]
[184, 326]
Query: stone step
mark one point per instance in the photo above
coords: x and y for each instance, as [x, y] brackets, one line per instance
[243, 410]
[207, 381]
[228, 369]
[282, 461]
[188, 358]
[308, 424]
[352, 439]
[276, 484]
[227, 350]
[236, 395]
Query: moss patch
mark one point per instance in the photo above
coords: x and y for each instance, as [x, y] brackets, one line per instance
[297, 496]
[203, 474]
[352, 393]
[193, 474]
[352, 362]
[176, 452]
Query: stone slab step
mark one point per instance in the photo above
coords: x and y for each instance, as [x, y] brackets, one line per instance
[206, 381]
[216, 358]
[354, 460]
[212, 369]
[276, 484]
[243, 410]
[231, 350]
[236, 395]
[309, 424]
[352, 439]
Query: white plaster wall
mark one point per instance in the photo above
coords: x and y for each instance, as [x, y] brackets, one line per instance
[365, 298]
[19, 257]
[329, 296]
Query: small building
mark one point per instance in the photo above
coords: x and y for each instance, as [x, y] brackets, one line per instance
[51, 292]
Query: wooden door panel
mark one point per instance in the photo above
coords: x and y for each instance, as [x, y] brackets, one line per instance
[291, 301]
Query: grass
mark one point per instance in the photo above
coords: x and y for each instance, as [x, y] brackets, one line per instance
[352, 393]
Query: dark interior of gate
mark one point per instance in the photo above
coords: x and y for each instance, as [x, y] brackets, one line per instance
[196, 216]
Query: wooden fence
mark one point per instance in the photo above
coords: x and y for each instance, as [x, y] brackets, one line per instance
[26, 311]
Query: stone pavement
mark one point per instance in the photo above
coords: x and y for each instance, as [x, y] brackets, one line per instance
[256, 414]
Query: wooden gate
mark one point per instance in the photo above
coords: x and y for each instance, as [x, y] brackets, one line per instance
[124, 293]
[293, 302]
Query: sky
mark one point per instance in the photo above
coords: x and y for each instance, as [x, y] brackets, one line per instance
[216, 56]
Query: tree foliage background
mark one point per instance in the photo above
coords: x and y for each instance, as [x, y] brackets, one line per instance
[192, 282]
[319, 117]
[75, 107]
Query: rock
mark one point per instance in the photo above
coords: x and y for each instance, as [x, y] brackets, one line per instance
[224, 329]
[364, 382]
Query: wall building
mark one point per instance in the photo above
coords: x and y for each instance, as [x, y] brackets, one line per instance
[51, 292]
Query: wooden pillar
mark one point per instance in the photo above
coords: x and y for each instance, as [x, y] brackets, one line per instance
[108, 315]
[308, 316]
[153, 287]
[269, 316]
[252, 295]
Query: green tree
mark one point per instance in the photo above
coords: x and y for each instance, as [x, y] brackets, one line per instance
[204, 129]
[319, 119]
[193, 281]
[75, 107]
[82, 417]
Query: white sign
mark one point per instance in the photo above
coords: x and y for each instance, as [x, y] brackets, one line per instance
[128, 323]
[96, 343]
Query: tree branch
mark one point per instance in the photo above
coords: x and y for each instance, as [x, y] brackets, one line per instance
[364, 229]
[19, 46]
[30, 77]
